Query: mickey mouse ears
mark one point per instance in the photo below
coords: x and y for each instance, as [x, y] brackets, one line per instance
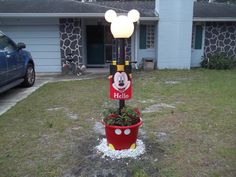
[110, 15]
[133, 15]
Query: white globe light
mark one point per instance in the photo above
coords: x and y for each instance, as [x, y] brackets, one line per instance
[122, 27]
[110, 15]
[134, 15]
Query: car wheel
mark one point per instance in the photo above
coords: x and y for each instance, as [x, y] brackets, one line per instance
[29, 78]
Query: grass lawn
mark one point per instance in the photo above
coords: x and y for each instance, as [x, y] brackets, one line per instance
[51, 133]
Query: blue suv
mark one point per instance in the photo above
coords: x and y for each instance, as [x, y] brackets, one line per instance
[16, 64]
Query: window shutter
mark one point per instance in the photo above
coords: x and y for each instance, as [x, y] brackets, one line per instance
[142, 37]
[198, 37]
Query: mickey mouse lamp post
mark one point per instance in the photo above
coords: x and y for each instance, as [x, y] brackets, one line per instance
[121, 127]
[122, 27]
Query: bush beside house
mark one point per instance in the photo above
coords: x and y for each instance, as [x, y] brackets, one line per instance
[218, 61]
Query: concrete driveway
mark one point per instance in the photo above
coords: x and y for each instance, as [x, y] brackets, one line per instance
[11, 97]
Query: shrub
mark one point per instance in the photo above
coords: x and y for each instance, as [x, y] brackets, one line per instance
[129, 116]
[218, 61]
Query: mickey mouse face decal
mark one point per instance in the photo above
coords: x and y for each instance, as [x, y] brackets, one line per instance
[121, 82]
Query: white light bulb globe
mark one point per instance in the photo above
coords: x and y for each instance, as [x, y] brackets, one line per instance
[122, 27]
[134, 15]
[110, 15]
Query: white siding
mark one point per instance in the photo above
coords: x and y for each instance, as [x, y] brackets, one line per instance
[145, 53]
[42, 40]
[174, 33]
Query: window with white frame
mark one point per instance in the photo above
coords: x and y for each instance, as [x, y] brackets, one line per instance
[150, 38]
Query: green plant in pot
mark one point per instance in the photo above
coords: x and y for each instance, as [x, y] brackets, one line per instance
[122, 128]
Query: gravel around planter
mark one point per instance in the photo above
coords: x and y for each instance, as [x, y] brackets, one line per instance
[118, 154]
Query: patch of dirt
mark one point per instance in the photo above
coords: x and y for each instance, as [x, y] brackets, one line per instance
[142, 133]
[56, 109]
[91, 163]
[88, 161]
[157, 107]
[183, 79]
[172, 82]
[76, 128]
[109, 104]
[72, 116]
[46, 140]
[162, 136]
[147, 101]
[99, 128]
[69, 115]
[176, 81]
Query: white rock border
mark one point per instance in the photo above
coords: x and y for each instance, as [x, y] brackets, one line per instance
[119, 154]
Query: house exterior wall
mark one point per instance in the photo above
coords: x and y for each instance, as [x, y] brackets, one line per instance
[148, 52]
[174, 33]
[220, 37]
[71, 38]
[41, 36]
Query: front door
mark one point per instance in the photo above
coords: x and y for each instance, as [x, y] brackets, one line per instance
[197, 45]
[95, 45]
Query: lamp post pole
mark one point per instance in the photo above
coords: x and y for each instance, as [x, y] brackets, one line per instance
[121, 61]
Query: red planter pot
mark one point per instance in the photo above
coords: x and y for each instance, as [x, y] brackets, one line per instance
[122, 137]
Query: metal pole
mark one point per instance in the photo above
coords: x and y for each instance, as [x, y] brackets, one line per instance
[121, 61]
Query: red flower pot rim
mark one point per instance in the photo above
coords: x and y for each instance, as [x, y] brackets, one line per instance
[122, 127]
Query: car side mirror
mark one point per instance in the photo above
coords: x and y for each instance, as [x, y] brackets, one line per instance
[20, 45]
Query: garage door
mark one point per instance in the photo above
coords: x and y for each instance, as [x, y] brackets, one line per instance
[42, 41]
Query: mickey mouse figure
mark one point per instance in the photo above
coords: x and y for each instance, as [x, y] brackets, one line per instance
[122, 26]
[121, 82]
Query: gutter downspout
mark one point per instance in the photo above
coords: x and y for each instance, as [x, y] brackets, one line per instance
[136, 45]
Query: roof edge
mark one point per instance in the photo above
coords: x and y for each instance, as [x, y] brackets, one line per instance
[156, 18]
[149, 18]
[5, 15]
[214, 19]
[51, 14]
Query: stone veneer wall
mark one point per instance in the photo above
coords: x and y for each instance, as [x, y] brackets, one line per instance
[220, 37]
[71, 38]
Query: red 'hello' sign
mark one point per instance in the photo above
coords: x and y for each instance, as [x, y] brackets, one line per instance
[120, 86]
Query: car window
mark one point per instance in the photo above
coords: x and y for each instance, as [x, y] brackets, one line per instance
[7, 44]
[1, 45]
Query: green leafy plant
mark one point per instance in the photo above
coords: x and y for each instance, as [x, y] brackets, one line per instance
[129, 116]
[218, 61]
